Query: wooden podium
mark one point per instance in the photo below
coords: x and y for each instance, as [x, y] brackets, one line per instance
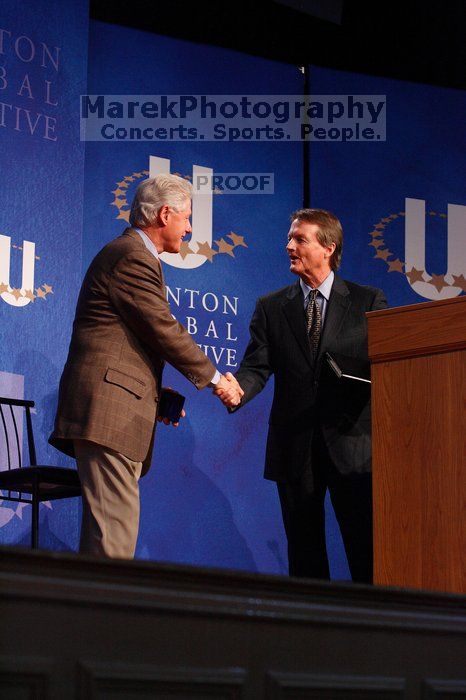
[418, 356]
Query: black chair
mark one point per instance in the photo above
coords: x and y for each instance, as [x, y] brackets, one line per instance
[32, 483]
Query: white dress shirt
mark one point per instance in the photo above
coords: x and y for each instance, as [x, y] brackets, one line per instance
[323, 294]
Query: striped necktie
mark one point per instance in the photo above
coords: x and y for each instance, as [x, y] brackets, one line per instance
[314, 321]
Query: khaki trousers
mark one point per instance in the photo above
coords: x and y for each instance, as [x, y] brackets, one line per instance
[110, 496]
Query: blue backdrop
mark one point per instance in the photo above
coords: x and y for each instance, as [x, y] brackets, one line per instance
[401, 203]
[43, 67]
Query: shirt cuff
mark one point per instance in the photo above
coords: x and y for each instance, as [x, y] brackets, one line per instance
[215, 379]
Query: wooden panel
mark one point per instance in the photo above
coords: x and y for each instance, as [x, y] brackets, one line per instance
[25, 678]
[444, 689]
[419, 472]
[303, 686]
[419, 329]
[110, 681]
[135, 629]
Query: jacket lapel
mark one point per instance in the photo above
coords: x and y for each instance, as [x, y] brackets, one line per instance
[293, 308]
[337, 308]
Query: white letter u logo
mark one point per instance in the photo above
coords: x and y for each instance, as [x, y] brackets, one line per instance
[415, 248]
[27, 283]
[202, 216]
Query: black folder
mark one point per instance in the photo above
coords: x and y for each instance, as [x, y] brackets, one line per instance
[349, 367]
[171, 404]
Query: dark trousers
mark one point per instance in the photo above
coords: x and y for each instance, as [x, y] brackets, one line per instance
[304, 518]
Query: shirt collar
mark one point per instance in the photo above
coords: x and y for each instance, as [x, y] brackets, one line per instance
[147, 242]
[325, 288]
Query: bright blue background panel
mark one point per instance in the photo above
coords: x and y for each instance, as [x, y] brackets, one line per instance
[423, 158]
[41, 195]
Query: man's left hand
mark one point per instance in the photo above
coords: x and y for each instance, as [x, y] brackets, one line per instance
[167, 421]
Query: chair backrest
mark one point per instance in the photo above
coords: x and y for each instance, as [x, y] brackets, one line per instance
[11, 433]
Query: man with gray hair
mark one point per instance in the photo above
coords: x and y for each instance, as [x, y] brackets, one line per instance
[123, 334]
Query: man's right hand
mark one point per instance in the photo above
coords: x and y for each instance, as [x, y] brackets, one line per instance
[228, 390]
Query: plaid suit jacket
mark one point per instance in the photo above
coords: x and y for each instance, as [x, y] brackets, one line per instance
[123, 333]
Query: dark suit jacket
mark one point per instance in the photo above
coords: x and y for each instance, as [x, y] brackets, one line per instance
[123, 333]
[306, 394]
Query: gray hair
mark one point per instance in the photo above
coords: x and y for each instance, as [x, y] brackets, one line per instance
[154, 193]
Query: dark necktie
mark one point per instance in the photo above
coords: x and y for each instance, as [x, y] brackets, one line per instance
[314, 321]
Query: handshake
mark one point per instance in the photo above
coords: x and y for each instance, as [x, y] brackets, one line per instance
[228, 390]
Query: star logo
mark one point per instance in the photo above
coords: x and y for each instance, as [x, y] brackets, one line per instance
[415, 275]
[118, 203]
[395, 265]
[459, 281]
[439, 282]
[205, 249]
[383, 254]
[224, 247]
[185, 249]
[237, 240]
[379, 236]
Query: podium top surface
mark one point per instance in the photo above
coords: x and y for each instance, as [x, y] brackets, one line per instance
[417, 329]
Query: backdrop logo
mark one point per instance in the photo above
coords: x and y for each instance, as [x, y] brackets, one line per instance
[23, 295]
[199, 248]
[29, 101]
[428, 284]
